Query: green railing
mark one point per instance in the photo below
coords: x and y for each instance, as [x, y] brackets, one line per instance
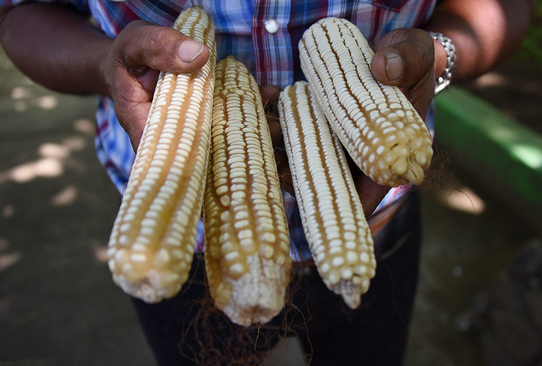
[497, 148]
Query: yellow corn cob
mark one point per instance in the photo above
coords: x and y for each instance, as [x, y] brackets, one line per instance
[331, 212]
[246, 236]
[376, 123]
[152, 242]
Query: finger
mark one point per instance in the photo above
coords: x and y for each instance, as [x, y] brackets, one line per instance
[275, 130]
[134, 123]
[370, 193]
[270, 95]
[132, 100]
[161, 48]
[403, 57]
[148, 81]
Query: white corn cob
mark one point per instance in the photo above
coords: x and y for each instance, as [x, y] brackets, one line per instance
[246, 235]
[376, 123]
[152, 242]
[332, 215]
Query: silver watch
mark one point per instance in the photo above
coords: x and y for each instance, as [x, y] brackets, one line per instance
[444, 80]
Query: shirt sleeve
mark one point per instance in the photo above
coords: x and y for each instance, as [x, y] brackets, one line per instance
[80, 5]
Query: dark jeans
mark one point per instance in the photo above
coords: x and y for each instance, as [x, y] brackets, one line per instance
[375, 334]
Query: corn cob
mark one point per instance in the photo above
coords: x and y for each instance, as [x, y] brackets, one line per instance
[376, 123]
[331, 212]
[152, 242]
[246, 237]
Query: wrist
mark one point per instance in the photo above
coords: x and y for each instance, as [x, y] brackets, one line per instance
[102, 69]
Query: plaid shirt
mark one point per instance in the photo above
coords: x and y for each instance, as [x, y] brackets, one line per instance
[273, 58]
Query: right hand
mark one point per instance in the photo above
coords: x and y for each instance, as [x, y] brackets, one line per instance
[131, 69]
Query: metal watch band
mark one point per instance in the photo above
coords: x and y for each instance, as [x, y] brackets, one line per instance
[444, 80]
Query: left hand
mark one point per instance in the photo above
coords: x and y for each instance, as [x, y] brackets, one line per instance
[405, 58]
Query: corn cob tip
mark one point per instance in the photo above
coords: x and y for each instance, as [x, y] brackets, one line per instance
[253, 302]
[150, 289]
[414, 174]
[350, 292]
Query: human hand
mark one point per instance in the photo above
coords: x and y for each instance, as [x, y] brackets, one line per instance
[405, 58]
[132, 64]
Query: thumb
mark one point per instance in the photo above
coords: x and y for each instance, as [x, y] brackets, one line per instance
[161, 48]
[403, 57]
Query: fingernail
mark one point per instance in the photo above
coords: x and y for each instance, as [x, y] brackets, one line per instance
[189, 50]
[394, 65]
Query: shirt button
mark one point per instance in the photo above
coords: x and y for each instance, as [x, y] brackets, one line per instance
[272, 26]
